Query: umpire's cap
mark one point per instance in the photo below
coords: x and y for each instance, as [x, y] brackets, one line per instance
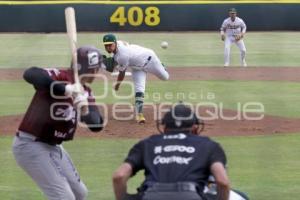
[180, 116]
[88, 57]
[109, 39]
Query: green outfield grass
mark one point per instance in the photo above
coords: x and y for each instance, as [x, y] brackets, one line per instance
[279, 99]
[266, 167]
[185, 48]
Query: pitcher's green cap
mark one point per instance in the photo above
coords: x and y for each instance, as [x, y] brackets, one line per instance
[232, 10]
[109, 39]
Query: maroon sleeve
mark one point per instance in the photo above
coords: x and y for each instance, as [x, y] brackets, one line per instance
[60, 74]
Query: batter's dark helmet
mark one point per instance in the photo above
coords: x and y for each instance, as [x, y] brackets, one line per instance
[88, 57]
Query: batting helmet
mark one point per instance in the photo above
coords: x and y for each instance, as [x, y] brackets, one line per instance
[88, 57]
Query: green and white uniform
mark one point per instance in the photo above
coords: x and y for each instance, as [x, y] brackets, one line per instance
[140, 60]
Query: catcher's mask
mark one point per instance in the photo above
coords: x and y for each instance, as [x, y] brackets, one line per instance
[88, 57]
[179, 117]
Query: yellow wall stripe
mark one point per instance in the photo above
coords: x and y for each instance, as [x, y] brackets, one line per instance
[150, 2]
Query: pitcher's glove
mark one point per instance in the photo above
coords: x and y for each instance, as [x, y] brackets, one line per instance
[109, 63]
[238, 37]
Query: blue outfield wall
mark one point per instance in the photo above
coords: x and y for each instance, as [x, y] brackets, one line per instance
[147, 17]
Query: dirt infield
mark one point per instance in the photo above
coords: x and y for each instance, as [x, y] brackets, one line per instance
[205, 73]
[217, 127]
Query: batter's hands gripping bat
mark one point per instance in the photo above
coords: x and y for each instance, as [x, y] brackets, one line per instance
[72, 35]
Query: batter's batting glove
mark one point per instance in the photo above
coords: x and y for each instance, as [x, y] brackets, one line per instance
[80, 101]
[73, 89]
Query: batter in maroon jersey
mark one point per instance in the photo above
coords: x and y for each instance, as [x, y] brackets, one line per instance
[50, 119]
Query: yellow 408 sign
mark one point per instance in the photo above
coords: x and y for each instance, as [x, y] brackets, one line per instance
[136, 16]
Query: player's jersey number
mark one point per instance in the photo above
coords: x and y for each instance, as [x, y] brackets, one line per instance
[135, 16]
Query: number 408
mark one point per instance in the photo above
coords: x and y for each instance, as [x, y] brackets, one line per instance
[136, 16]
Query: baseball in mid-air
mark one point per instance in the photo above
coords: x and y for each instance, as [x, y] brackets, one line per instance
[164, 44]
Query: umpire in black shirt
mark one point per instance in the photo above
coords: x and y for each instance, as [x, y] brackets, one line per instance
[177, 163]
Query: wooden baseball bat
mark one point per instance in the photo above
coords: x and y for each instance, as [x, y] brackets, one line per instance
[72, 35]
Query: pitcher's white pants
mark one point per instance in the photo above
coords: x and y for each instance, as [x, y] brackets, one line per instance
[154, 67]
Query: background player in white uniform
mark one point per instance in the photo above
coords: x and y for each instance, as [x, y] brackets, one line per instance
[141, 60]
[232, 31]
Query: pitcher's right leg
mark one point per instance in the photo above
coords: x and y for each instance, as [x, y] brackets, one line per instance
[139, 80]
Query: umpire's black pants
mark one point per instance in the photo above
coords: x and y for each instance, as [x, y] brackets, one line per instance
[187, 195]
[172, 191]
[169, 191]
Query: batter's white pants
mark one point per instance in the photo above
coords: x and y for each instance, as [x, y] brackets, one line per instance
[154, 67]
[50, 167]
[240, 44]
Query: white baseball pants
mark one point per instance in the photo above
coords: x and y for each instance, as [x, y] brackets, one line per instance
[240, 44]
[154, 67]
